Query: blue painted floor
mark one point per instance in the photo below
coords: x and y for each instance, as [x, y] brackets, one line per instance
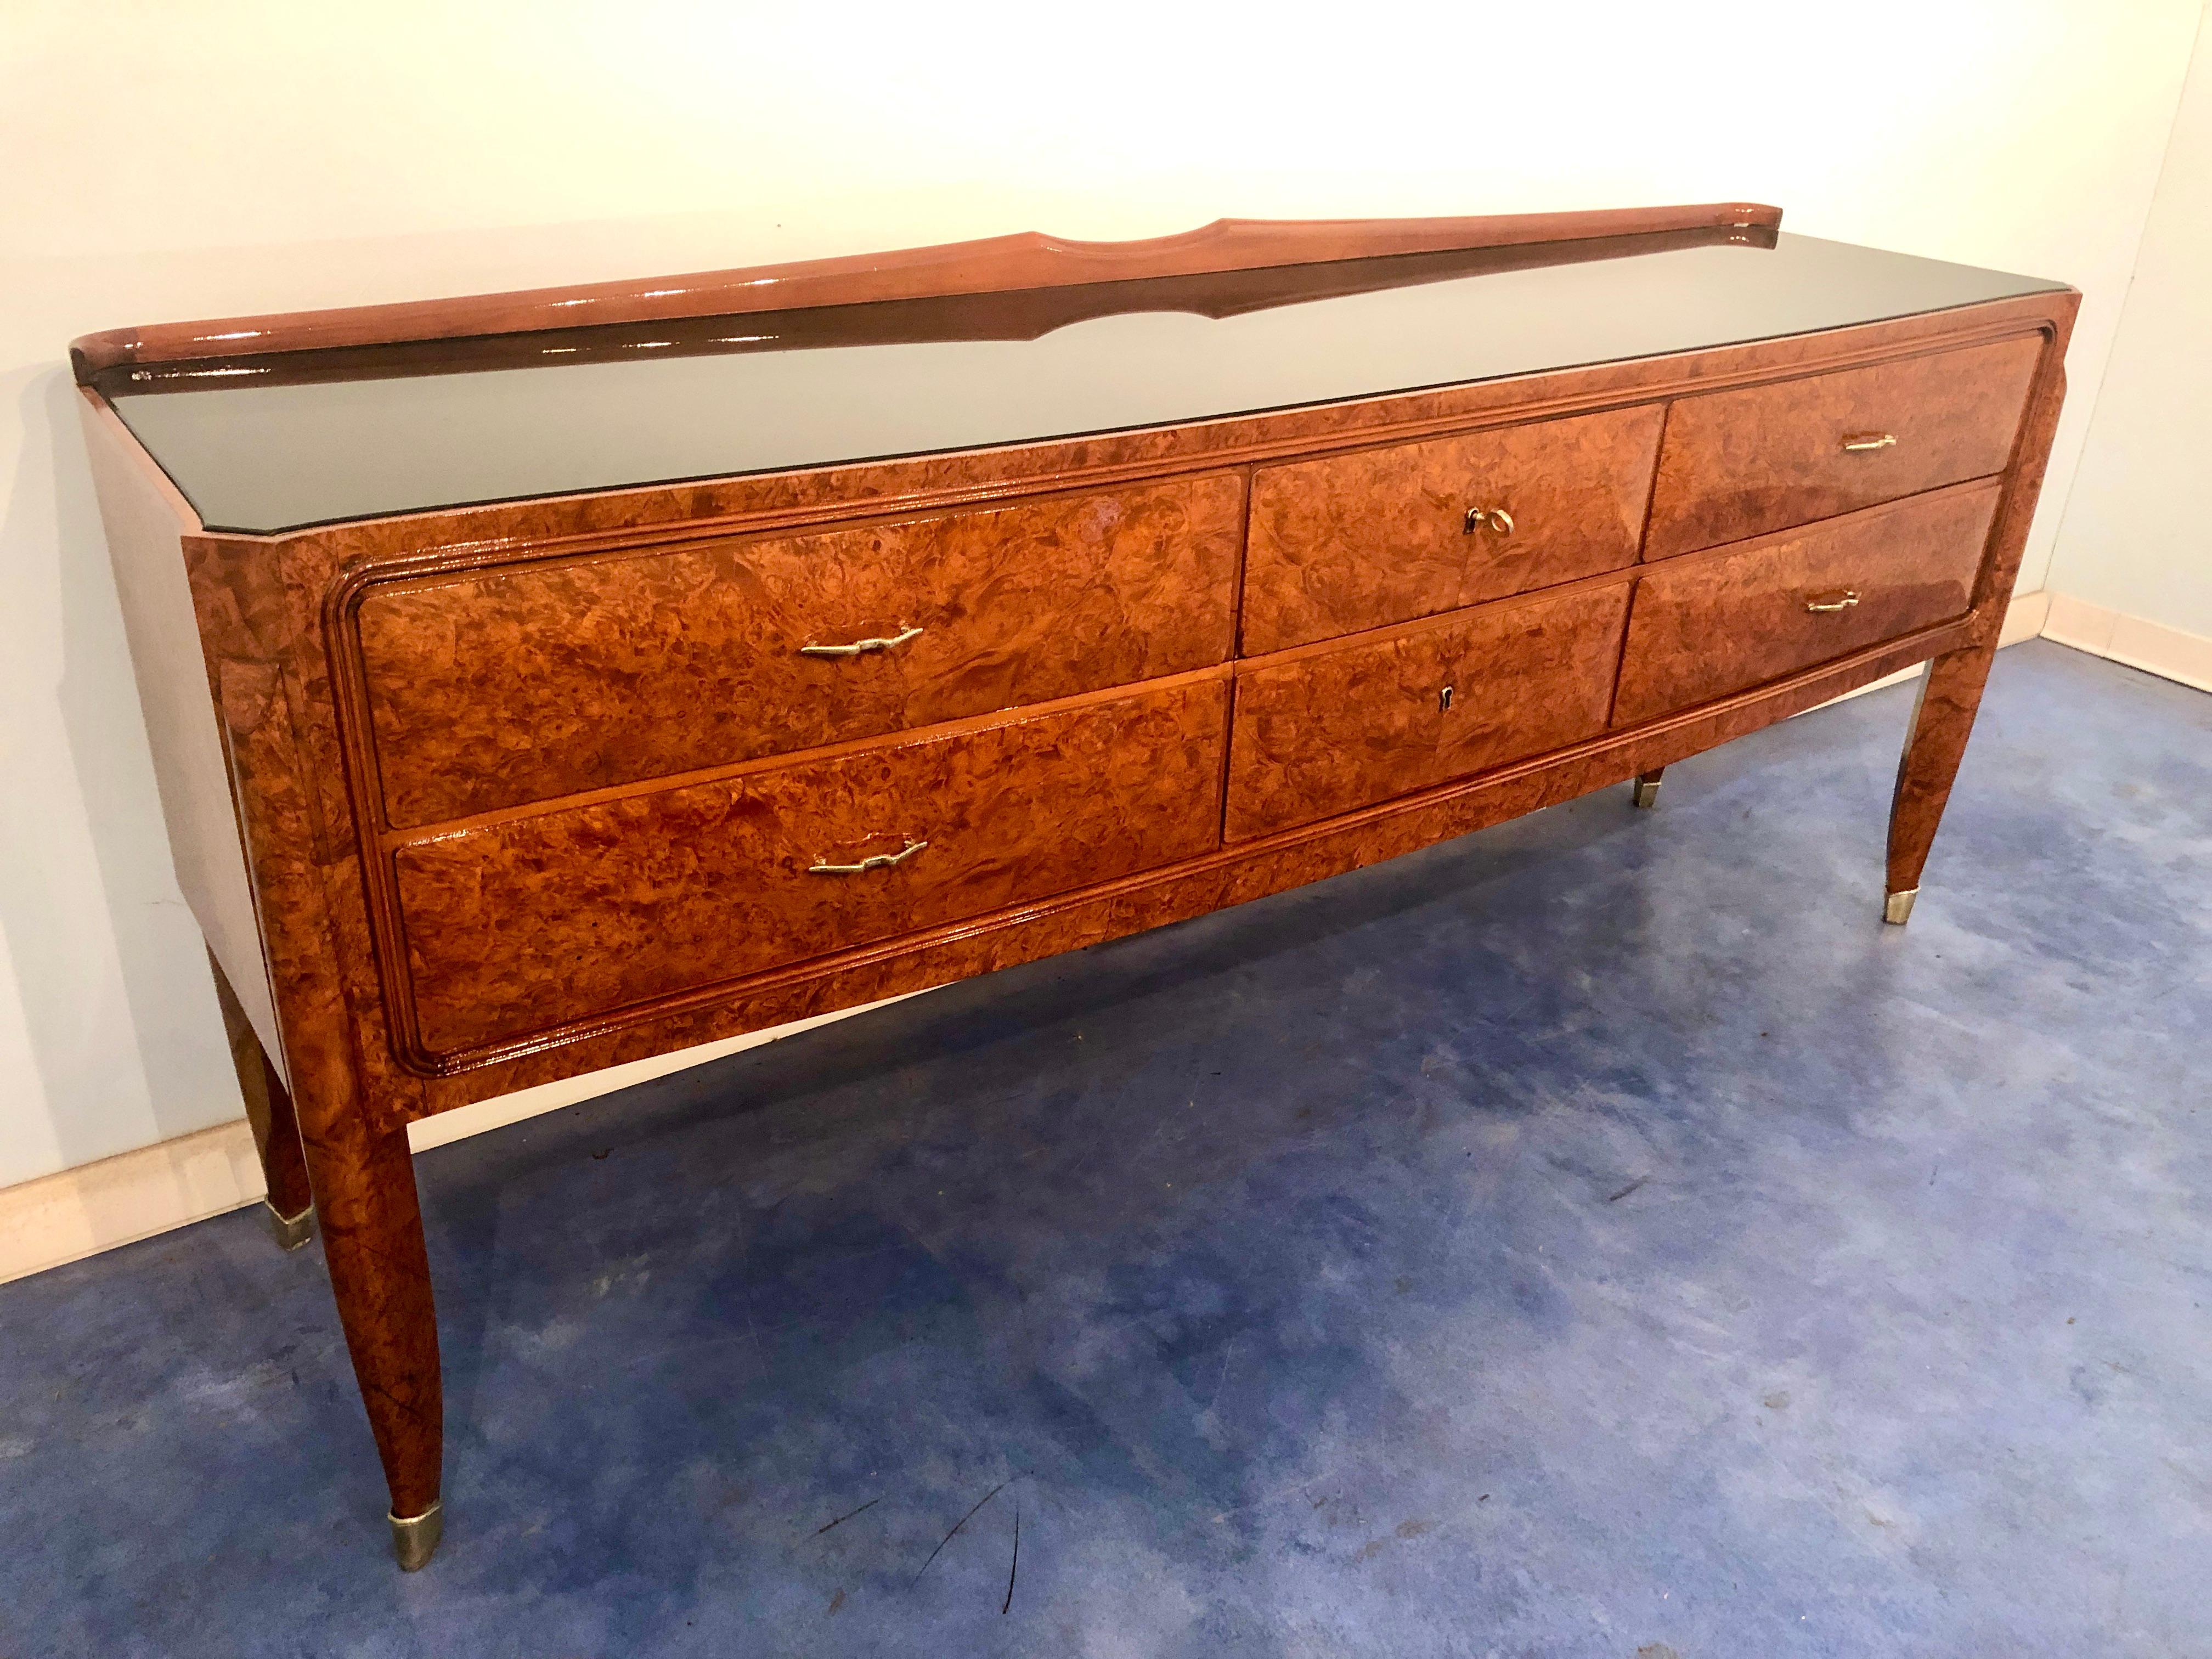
[1600, 1236]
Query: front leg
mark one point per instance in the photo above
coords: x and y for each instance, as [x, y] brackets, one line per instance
[1950, 692]
[372, 1223]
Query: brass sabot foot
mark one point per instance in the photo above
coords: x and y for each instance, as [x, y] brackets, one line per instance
[414, 1540]
[291, 1231]
[1646, 793]
[1898, 909]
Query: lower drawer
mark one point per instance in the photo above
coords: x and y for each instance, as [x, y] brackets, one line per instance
[1341, 727]
[523, 925]
[1712, 624]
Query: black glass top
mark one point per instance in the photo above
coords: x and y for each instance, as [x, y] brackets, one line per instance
[260, 444]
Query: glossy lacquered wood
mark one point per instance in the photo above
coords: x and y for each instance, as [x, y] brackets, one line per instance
[1381, 536]
[1326, 730]
[1713, 623]
[371, 1219]
[524, 682]
[1738, 464]
[1027, 261]
[483, 924]
[358, 1164]
[320, 557]
[937, 319]
[521, 925]
[259, 599]
[1951, 692]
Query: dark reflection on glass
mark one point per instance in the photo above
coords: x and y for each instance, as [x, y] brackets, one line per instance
[277, 442]
[1021, 314]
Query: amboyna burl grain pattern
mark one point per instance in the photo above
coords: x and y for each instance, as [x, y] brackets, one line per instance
[1935, 743]
[526, 683]
[1381, 536]
[1716, 622]
[477, 665]
[521, 924]
[1368, 719]
[1738, 464]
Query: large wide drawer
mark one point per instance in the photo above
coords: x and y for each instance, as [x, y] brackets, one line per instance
[528, 683]
[1721, 622]
[1383, 536]
[1333, 730]
[1736, 465]
[520, 926]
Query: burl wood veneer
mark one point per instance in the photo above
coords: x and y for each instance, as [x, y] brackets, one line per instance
[752, 673]
[1319, 732]
[1714, 625]
[1740, 462]
[526, 922]
[528, 681]
[1386, 535]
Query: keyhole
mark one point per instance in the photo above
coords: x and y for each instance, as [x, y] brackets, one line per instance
[1443, 698]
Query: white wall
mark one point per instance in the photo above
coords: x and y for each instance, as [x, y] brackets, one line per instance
[167, 161]
[2136, 537]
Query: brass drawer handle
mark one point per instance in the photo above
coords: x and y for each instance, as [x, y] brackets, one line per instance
[1842, 599]
[857, 646]
[880, 861]
[1860, 443]
[1489, 517]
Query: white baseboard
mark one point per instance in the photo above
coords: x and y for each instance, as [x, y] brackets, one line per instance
[2152, 646]
[2025, 617]
[74, 1214]
[79, 1212]
[133, 1195]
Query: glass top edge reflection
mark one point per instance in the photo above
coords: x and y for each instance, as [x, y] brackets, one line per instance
[674, 482]
[267, 459]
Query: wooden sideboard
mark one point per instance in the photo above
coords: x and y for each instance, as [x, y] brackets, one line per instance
[550, 680]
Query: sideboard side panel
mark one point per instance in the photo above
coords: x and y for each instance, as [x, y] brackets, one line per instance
[147, 524]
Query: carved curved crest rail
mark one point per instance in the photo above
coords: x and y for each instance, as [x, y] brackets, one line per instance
[996, 265]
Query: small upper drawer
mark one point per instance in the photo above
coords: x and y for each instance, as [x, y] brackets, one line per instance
[1705, 627]
[530, 682]
[1334, 729]
[527, 922]
[1738, 464]
[1358, 541]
